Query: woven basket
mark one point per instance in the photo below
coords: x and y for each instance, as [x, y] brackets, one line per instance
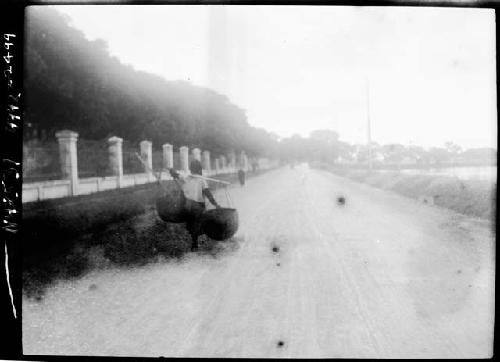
[220, 224]
[171, 204]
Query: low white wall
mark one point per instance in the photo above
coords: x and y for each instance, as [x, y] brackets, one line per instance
[37, 191]
[46, 190]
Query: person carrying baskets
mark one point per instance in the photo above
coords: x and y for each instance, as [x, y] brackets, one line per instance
[195, 190]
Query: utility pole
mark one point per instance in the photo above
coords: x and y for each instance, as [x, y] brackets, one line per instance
[370, 165]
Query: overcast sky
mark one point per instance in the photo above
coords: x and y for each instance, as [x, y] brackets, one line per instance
[431, 71]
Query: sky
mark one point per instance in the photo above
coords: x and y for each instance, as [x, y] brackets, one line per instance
[424, 76]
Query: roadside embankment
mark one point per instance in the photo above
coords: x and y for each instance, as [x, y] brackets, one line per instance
[469, 197]
[45, 222]
[65, 238]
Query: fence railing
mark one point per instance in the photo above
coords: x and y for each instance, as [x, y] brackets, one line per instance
[41, 162]
[93, 159]
[131, 163]
[71, 167]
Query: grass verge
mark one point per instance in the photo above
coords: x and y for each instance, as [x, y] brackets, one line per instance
[469, 197]
[65, 239]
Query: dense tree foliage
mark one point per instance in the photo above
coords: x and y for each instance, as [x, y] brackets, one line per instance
[73, 83]
[324, 146]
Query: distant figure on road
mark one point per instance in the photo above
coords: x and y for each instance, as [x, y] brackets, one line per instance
[241, 176]
[195, 189]
[255, 166]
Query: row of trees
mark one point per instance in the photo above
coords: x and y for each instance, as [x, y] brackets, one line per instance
[324, 146]
[73, 83]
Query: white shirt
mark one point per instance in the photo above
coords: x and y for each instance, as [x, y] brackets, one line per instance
[193, 188]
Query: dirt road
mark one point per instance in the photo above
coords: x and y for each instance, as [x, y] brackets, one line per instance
[380, 276]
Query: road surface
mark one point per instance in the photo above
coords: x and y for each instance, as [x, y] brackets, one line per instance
[382, 276]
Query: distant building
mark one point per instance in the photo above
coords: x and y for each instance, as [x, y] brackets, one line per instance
[408, 160]
[479, 156]
[378, 156]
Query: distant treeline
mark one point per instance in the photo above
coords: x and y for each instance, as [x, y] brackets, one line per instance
[73, 83]
[324, 146]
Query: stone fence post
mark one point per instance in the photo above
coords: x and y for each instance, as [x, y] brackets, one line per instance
[223, 164]
[197, 154]
[243, 161]
[217, 165]
[184, 154]
[116, 158]
[147, 156]
[232, 162]
[168, 156]
[68, 158]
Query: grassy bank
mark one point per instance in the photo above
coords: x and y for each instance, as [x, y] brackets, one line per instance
[64, 239]
[131, 243]
[48, 223]
[469, 197]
